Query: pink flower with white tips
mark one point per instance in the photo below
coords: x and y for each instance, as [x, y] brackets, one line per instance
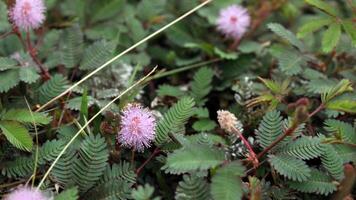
[137, 127]
[26, 193]
[28, 14]
[233, 21]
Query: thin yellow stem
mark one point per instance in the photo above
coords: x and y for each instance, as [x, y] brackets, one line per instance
[123, 53]
[88, 122]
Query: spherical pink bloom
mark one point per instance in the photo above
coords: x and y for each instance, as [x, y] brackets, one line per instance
[137, 127]
[28, 14]
[233, 21]
[25, 193]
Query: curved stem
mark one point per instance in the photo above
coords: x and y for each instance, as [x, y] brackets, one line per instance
[155, 152]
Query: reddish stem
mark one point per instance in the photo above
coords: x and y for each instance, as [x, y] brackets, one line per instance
[154, 153]
[248, 146]
[318, 109]
[289, 131]
[33, 53]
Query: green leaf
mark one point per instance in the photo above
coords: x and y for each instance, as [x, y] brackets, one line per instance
[272, 85]
[53, 87]
[194, 157]
[204, 125]
[226, 55]
[250, 47]
[107, 11]
[97, 54]
[226, 183]
[348, 106]
[331, 37]
[290, 167]
[169, 90]
[291, 63]
[24, 116]
[350, 29]
[9, 79]
[332, 162]
[143, 192]
[304, 148]
[7, 63]
[18, 168]
[312, 26]
[346, 152]
[323, 6]
[17, 135]
[88, 169]
[342, 87]
[173, 119]
[192, 187]
[269, 129]
[28, 75]
[318, 183]
[321, 85]
[68, 194]
[201, 85]
[71, 46]
[286, 34]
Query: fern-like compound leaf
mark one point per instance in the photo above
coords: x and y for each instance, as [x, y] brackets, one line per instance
[97, 54]
[143, 193]
[175, 117]
[112, 190]
[318, 183]
[304, 148]
[69, 194]
[50, 150]
[347, 153]
[71, 46]
[332, 162]
[62, 171]
[20, 167]
[93, 156]
[120, 171]
[192, 188]
[201, 85]
[17, 135]
[193, 157]
[269, 129]
[226, 184]
[53, 87]
[290, 167]
[341, 130]
[25, 116]
[286, 34]
[9, 79]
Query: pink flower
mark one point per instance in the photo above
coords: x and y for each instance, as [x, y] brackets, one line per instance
[137, 127]
[25, 193]
[233, 21]
[28, 14]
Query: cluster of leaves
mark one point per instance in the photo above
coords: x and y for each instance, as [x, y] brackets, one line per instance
[289, 81]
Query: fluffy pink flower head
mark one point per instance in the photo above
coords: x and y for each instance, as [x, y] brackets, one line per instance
[28, 14]
[233, 21]
[137, 127]
[25, 193]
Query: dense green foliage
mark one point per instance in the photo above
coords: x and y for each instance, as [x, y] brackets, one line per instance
[289, 81]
